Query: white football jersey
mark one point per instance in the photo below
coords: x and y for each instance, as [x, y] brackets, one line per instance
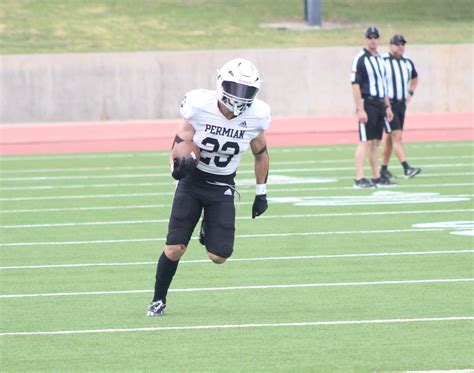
[222, 141]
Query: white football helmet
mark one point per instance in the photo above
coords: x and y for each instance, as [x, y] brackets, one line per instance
[238, 82]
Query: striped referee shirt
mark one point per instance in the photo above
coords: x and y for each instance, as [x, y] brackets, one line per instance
[369, 72]
[399, 73]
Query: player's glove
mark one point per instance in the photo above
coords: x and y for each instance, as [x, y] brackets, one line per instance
[260, 205]
[183, 166]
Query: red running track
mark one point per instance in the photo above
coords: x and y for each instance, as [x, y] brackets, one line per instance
[158, 135]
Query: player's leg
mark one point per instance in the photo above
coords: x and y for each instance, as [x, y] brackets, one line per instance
[219, 216]
[398, 145]
[374, 158]
[386, 149]
[377, 121]
[366, 135]
[184, 217]
[388, 144]
[409, 171]
[360, 154]
[380, 125]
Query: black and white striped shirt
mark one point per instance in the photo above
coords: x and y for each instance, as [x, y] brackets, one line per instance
[399, 73]
[369, 72]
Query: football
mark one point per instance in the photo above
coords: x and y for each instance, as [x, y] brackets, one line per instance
[186, 149]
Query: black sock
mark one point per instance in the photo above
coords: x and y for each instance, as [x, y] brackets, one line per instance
[165, 271]
[405, 165]
[384, 167]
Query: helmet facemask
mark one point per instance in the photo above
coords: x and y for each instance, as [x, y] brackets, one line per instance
[237, 97]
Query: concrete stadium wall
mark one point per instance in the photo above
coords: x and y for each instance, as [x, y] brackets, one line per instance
[150, 85]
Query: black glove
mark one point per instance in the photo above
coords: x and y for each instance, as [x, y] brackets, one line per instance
[260, 205]
[183, 166]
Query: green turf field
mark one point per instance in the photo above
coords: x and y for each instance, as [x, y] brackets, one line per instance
[329, 279]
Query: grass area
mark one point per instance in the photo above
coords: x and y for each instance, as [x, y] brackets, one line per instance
[321, 253]
[40, 26]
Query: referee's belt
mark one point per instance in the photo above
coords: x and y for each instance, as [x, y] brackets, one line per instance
[397, 101]
[372, 98]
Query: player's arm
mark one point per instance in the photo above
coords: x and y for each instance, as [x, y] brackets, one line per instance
[185, 133]
[357, 95]
[412, 88]
[357, 78]
[388, 108]
[181, 167]
[261, 167]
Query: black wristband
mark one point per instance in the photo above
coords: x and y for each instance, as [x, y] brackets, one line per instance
[411, 93]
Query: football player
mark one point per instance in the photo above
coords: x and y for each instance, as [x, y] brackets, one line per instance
[224, 124]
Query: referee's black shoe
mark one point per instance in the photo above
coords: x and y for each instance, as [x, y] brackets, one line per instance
[386, 174]
[411, 172]
[382, 182]
[363, 184]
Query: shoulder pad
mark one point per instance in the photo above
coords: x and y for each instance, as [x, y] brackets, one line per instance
[261, 111]
[260, 108]
[194, 100]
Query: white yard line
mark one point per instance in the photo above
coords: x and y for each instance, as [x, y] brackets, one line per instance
[249, 287]
[243, 164]
[242, 326]
[66, 243]
[82, 169]
[168, 183]
[165, 153]
[85, 196]
[247, 190]
[265, 235]
[107, 185]
[241, 172]
[264, 217]
[90, 208]
[270, 258]
[54, 157]
[86, 177]
[123, 207]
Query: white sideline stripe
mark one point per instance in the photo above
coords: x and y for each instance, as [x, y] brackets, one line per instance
[167, 183]
[292, 216]
[81, 169]
[167, 174]
[270, 258]
[110, 185]
[85, 196]
[423, 175]
[91, 208]
[241, 326]
[243, 164]
[265, 235]
[53, 157]
[250, 287]
[242, 191]
[126, 207]
[152, 154]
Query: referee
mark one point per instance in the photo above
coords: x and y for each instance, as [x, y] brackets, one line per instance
[402, 80]
[369, 87]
